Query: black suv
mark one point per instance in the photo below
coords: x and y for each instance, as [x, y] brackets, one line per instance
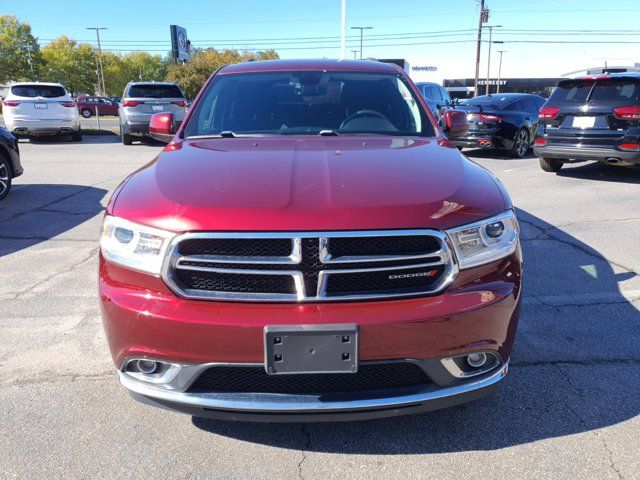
[591, 118]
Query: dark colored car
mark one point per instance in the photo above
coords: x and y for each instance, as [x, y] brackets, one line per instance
[436, 97]
[505, 121]
[309, 246]
[10, 166]
[87, 106]
[593, 118]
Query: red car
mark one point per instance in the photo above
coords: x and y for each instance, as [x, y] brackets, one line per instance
[310, 246]
[87, 106]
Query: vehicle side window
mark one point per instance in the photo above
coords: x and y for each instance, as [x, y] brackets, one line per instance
[529, 105]
[515, 107]
[431, 92]
[445, 96]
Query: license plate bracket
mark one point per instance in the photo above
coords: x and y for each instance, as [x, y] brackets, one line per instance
[308, 349]
[584, 122]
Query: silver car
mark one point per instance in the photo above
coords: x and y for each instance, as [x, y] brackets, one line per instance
[141, 100]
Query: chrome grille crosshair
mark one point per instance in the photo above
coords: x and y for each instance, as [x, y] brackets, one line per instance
[309, 266]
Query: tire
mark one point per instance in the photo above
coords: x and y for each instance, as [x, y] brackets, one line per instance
[550, 164]
[125, 137]
[86, 113]
[520, 144]
[5, 177]
[77, 136]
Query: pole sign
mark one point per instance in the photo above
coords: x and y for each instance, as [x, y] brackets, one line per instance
[179, 43]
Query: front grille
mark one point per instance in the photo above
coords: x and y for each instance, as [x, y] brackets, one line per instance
[236, 247]
[235, 283]
[415, 280]
[380, 246]
[297, 267]
[252, 379]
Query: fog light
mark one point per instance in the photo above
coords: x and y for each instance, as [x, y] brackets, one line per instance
[147, 366]
[477, 360]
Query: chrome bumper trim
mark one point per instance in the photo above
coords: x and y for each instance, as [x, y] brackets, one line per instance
[286, 403]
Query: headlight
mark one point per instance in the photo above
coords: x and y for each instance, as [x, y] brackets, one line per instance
[486, 241]
[134, 246]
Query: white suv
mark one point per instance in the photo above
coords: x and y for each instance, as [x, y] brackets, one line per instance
[34, 109]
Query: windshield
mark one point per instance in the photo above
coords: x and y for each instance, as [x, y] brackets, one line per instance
[307, 103]
[154, 91]
[33, 91]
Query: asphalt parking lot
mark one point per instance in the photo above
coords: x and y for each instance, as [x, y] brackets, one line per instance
[568, 409]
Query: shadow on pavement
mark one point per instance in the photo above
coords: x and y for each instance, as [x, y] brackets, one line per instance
[87, 138]
[494, 154]
[601, 172]
[34, 213]
[576, 368]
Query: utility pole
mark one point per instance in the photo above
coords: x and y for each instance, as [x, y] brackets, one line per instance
[97, 29]
[355, 54]
[362, 29]
[490, 27]
[343, 33]
[499, 70]
[484, 16]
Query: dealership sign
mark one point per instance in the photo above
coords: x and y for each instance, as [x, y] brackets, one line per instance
[492, 82]
[424, 68]
[180, 45]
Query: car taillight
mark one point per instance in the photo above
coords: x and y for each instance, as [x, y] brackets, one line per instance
[180, 103]
[629, 146]
[627, 113]
[549, 112]
[540, 141]
[488, 118]
[67, 104]
[10, 103]
[129, 103]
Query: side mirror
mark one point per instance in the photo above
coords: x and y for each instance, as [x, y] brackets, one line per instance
[161, 127]
[455, 123]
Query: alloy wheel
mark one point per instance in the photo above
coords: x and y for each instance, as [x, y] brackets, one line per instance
[522, 143]
[4, 178]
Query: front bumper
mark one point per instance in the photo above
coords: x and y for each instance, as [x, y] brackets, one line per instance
[478, 312]
[269, 407]
[581, 153]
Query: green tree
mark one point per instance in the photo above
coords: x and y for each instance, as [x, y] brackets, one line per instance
[18, 47]
[193, 74]
[71, 63]
[134, 66]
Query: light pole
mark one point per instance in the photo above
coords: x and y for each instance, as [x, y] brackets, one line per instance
[362, 29]
[343, 32]
[355, 54]
[490, 27]
[499, 70]
[97, 29]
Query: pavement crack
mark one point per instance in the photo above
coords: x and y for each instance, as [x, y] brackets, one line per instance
[585, 424]
[31, 288]
[307, 446]
[547, 233]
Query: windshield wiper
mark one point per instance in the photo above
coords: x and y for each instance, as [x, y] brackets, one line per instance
[328, 133]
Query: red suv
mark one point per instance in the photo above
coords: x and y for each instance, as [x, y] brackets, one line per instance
[310, 246]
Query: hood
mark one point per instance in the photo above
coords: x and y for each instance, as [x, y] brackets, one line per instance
[308, 183]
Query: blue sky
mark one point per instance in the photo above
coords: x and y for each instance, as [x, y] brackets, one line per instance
[311, 29]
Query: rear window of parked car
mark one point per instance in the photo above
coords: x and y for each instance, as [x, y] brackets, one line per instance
[581, 91]
[154, 91]
[33, 91]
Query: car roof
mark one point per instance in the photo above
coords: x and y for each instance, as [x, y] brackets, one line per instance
[152, 83]
[311, 64]
[604, 75]
[44, 84]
